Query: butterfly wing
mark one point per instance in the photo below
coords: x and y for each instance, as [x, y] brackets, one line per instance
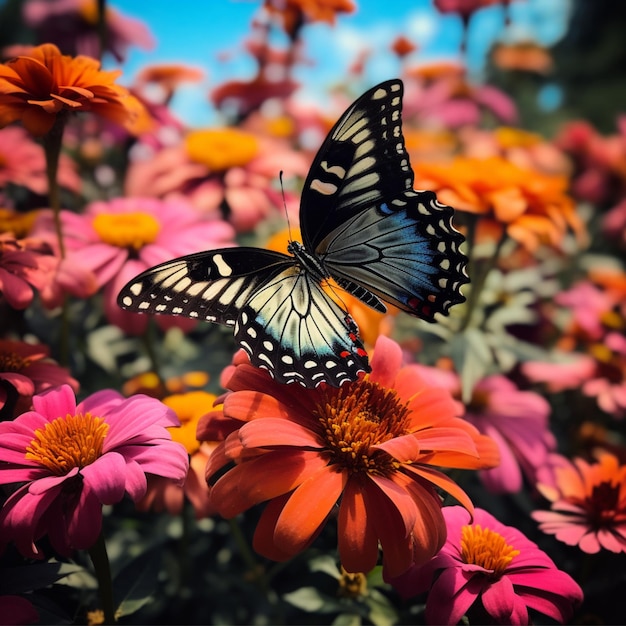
[360, 215]
[281, 316]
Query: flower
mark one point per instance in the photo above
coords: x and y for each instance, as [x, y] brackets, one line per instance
[29, 370]
[524, 56]
[370, 445]
[163, 493]
[73, 26]
[487, 565]
[73, 458]
[294, 12]
[532, 207]
[17, 610]
[118, 239]
[36, 88]
[465, 8]
[24, 264]
[22, 162]
[588, 502]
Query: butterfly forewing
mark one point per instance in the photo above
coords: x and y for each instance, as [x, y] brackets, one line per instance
[282, 317]
[376, 236]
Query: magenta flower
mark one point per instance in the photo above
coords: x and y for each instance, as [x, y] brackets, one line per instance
[516, 420]
[27, 368]
[24, 264]
[73, 458]
[119, 239]
[487, 566]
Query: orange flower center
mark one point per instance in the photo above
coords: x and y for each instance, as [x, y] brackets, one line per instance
[221, 149]
[126, 230]
[20, 224]
[486, 548]
[358, 416]
[352, 585]
[68, 442]
[13, 362]
[602, 504]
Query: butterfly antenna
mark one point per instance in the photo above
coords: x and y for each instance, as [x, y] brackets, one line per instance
[282, 191]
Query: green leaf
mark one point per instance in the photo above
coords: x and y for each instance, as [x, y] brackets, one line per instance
[472, 358]
[382, 612]
[308, 599]
[137, 582]
[347, 619]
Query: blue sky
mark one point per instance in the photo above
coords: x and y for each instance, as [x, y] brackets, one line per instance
[197, 32]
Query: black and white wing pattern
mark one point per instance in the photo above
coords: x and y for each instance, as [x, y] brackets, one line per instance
[362, 225]
[281, 315]
[375, 235]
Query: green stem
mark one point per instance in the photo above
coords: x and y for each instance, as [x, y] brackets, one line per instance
[100, 560]
[52, 143]
[248, 556]
[479, 280]
[147, 338]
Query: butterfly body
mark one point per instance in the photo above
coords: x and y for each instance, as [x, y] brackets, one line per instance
[363, 226]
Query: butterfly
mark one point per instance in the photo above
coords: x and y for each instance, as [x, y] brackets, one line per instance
[363, 226]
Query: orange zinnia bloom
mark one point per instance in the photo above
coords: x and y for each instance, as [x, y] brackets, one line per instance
[313, 10]
[369, 446]
[35, 88]
[533, 207]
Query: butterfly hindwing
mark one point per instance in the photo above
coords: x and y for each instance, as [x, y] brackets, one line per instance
[281, 316]
[291, 328]
[376, 236]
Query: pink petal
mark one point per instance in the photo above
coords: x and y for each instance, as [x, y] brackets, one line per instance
[386, 361]
[85, 520]
[499, 601]
[106, 477]
[57, 402]
[451, 596]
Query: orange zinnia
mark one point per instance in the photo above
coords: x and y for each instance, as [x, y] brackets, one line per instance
[371, 446]
[313, 10]
[533, 207]
[35, 88]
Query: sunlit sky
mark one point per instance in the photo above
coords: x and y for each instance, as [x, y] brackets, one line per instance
[199, 33]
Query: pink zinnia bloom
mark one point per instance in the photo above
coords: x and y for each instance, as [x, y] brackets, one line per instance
[484, 562]
[76, 457]
[516, 420]
[119, 239]
[373, 446]
[24, 264]
[27, 368]
[588, 507]
[22, 162]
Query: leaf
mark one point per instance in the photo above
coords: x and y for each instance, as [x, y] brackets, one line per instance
[472, 358]
[347, 619]
[16, 580]
[325, 564]
[137, 582]
[382, 612]
[308, 599]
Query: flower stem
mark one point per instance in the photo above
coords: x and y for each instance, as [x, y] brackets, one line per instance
[481, 271]
[100, 560]
[52, 143]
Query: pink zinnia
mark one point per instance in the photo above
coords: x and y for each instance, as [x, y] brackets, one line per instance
[73, 458]
[588, 502]
[516, 420]
[119, 239]
[484, 562]
[29, 370]
[24, 264]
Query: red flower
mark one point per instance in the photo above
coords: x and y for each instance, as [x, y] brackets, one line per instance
[369, 446]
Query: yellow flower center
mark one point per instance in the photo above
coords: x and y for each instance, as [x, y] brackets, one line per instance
[13, 362]
[68, 442]
[189, 407]
[126, 230]
[20, 224]
[221, 149]
[358, 416]
[486, 548]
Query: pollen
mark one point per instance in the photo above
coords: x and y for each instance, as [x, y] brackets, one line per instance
[358, 416]
[486, 548]
[12, 362]
[126, 230]
[68, 442]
